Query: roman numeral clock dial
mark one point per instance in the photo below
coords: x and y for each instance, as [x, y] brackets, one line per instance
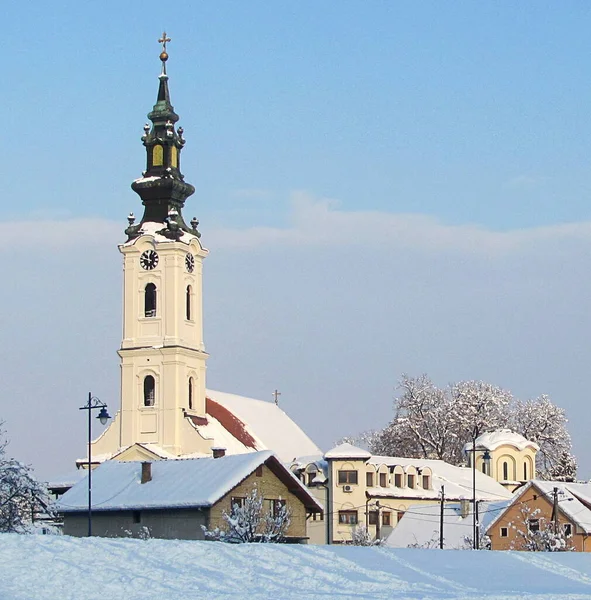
[148, 260]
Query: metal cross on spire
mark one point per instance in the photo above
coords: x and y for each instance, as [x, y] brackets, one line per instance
[276, 395]
[163, 55]
[163, 40]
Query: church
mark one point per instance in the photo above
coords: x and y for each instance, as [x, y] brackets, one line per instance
[166, 410]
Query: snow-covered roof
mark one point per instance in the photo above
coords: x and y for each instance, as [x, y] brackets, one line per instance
[457, 481]
[492, 440]
[66, 480]
[420, 525]
[574, 500]
[347, 450]
[261, 426]
[199, 482]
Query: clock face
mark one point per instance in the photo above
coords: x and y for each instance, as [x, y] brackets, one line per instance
[148, 260]
[190, 262]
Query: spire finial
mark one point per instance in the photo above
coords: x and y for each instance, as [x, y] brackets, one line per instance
[164, 55]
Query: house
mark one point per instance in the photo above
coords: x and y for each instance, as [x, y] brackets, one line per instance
[420, 525]
[173, 499]
[540, 505]
[505, 455]
[360, 488]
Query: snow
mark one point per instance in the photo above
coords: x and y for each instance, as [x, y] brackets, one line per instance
[501, 437]
[347, 450]
[175, 483]
[49, 567]
[269, 425]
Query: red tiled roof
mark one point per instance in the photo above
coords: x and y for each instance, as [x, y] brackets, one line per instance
[230, 422]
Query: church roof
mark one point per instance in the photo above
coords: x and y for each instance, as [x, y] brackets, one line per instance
[242, 424]
[200, 482]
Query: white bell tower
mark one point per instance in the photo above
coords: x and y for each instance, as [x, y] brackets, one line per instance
[162, 351]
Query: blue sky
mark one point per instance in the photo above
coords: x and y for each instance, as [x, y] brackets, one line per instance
[305, 121]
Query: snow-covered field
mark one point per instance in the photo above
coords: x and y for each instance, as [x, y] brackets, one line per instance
[44, 567]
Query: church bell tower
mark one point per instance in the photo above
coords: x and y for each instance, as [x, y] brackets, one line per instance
[162, 352]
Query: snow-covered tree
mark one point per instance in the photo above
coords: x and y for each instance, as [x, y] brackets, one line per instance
[21, 495]
[538, 538]
[251, 521]
[430, 422]
[544, 423]
[360, 536]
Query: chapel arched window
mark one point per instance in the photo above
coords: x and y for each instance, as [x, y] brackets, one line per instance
[188, 302]
[190, 393]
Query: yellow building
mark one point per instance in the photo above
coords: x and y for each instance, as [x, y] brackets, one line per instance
[358, 488]
[506, 456]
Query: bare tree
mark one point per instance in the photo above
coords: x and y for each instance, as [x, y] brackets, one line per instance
[21, 495]
[360, 536]
[430, 422]
[250, 522]
[534, 534]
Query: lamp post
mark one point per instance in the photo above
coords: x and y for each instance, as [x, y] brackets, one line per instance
[475, 518]
[103, 417]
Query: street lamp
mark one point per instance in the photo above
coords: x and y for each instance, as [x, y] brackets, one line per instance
[475, 520]
[103, 417]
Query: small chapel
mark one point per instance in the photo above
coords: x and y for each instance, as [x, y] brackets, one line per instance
[166, 410]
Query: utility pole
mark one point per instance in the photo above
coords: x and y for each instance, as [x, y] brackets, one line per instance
[276, 395]
[477, 527]
[555, 509]
[441, 517]
[378, 520]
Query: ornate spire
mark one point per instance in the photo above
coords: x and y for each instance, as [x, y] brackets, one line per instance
[162, 188]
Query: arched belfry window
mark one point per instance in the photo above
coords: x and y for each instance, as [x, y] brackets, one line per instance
[505, 471]
[191, 386]
[150, 300]
[149, 390]
[188, 302]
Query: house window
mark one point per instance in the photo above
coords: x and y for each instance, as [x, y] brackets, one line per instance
[373, 517]
[386, 520]
[150, 300]
[568, 529]
[190, 393]
[398, 480]
[277, 508]
[533, 524]
[399, 515]
[369, 479]
[426, 482]
[505, 471]
[484, 467]
[237, 502]
[524, 471]
[383, 480]
[504, 532]
[136, 516]
[149, 390]
[348, 517]
[259, 471]
[411, 481]
[188, 302]
[348, 477]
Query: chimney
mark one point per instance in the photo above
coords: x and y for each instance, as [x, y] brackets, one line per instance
[464, 507]
[218, 452]
[146, 472]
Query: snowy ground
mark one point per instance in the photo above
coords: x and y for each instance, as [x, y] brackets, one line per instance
[44, 567]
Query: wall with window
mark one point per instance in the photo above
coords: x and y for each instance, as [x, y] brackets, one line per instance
[272, 490]
[520, 464]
